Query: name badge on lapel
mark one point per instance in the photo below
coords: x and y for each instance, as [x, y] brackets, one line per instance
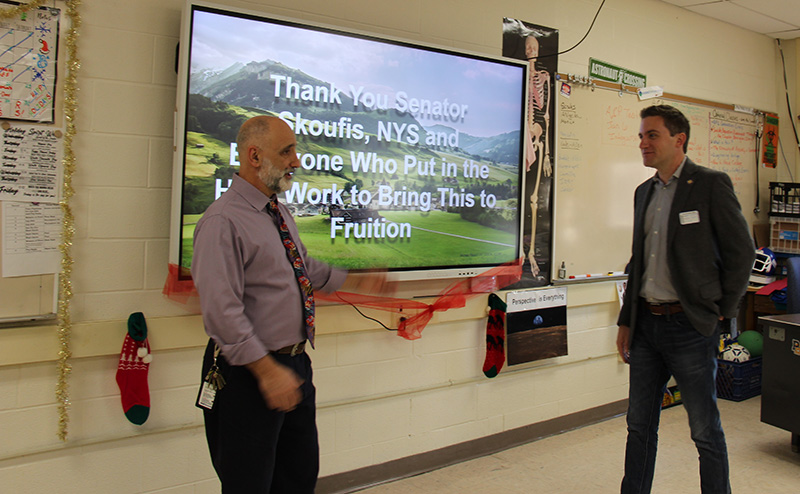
[689, 217]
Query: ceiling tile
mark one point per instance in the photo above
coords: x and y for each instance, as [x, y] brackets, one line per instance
[794, 33]
[784, 10]
[742, 17]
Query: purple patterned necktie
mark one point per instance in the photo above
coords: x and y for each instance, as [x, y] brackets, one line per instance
[306, 292]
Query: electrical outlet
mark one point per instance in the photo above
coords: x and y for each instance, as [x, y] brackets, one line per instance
[398, 315]
[401, 314]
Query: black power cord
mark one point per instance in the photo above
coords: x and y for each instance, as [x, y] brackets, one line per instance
[579, 42]
[786, 91]
[757, 209]
[351, 304]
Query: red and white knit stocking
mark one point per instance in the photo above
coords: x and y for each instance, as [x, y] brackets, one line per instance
[134, 363]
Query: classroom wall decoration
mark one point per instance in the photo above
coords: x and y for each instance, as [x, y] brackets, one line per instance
[538, 45]
[536, 323]
[769, 144]
[31, 164]
[30, 185]
[29, 45]
[28, 56]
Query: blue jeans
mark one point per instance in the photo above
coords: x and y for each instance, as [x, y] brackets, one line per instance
[665, 346]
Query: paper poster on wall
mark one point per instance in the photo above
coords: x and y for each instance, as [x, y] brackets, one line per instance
[538, 45]
[31, 236]
[536, 323]
[770, 141]
[28, 56]
[31, 167]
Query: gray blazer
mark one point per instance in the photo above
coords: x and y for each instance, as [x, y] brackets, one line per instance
[710, 253]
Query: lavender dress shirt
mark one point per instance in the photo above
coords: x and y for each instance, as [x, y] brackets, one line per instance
[249, 295]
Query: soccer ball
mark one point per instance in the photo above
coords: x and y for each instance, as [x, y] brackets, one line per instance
[735, 353]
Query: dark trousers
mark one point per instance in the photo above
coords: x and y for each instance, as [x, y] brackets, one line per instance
[665, 346]
[255, 449]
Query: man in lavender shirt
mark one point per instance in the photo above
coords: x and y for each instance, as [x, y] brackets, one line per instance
[261, 425]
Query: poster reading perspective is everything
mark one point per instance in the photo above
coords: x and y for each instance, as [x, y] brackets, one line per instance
[28, 55]
[536, 323]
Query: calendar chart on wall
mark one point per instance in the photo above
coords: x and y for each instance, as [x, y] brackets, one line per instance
[28, 56]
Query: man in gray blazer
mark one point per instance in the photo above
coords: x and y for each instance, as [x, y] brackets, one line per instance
[691, 261]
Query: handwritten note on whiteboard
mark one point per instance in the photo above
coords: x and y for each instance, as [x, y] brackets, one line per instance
[28, 56]
[31, 166]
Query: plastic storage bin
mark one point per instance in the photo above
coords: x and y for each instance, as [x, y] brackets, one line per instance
[737, 381]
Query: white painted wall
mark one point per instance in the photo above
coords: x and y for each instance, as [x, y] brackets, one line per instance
[380, 397]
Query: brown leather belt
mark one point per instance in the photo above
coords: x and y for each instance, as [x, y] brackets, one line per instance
[664, 309]
[293, 350]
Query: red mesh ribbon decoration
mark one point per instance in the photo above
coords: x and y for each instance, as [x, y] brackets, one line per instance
[179, 285]
[388, 304]
[454, 296]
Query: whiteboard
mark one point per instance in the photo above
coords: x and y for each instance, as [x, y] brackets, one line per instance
[598, 167]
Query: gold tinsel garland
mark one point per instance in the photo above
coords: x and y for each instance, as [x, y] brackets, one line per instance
[67, 220]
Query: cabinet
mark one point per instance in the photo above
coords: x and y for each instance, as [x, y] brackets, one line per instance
[755, 306]
[780, 386]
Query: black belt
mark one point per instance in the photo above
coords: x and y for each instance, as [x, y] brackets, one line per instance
[663, 309]
[292, 350]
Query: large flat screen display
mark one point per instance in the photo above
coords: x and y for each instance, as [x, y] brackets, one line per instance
[410, 155]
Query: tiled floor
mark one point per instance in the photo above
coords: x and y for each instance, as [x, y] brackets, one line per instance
[590, 459]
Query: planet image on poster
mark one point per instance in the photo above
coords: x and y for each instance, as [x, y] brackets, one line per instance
[537, 333]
